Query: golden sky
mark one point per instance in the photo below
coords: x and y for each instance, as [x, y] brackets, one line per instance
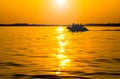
[59, 11]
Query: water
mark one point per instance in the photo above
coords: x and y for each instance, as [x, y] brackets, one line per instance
[55, 53]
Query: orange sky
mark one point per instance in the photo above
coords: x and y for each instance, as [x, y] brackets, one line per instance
[59, 12]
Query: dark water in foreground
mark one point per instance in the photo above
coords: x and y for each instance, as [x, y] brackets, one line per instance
[55, 53]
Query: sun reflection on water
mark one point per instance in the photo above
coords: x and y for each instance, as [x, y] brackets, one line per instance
[61, 37]
[63, 58]
[60, 29]
[61, 50]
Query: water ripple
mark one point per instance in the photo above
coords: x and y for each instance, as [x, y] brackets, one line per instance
[50, 76]
[102, 73]
[11, 64]
[103, 60]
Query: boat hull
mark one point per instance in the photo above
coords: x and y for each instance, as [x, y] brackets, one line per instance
[77, 28]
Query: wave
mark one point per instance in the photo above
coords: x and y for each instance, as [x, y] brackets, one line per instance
[102, 73]
[85, 76]
[106, 30]
[49, 76]
[112, 60]
[11, 64]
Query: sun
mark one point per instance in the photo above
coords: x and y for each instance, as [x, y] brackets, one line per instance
[60, 2]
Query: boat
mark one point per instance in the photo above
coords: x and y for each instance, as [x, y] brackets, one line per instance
[77, 28]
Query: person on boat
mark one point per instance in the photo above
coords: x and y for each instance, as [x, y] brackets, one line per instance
[73, 24]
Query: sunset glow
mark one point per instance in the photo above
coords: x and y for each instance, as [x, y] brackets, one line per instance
[59, 11]
[59, 39]
[60, 2]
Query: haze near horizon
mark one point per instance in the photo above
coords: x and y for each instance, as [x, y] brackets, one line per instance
[59, 11]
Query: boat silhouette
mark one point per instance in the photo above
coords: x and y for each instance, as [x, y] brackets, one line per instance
[77, 28]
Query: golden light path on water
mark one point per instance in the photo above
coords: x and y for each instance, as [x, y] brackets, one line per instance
[63, 59]
[66, 48]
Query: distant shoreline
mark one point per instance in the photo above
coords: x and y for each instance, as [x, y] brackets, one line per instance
[109, 24]
[25, 24]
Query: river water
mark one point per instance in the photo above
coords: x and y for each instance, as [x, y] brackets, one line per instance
[52, 52]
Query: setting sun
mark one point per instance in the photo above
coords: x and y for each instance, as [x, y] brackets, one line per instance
[60, 2]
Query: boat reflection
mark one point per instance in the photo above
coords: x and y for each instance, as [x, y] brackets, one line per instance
[61, 55]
